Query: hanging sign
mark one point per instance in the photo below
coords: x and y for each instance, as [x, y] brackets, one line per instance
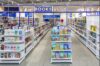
[43, 9]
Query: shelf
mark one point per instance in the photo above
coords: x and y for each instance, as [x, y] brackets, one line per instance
[28, 50]
[84, 42]
[61, 50]
[87, 32]
[61, 41]
[61, 58]
[3, 51]
[10, 59]
[92, 49]
[12, 35]
[61, 35]
[26, 45]
[92, 42]
[56, 52]
[81, 34]
[92, 37]
[16, 42]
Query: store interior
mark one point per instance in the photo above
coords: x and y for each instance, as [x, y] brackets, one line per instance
[51, 33]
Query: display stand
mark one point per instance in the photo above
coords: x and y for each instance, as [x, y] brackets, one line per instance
[18, 42]
[15, 44]
[61, 50]
[87, 31]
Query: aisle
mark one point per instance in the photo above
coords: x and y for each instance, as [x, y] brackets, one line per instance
[40, 56]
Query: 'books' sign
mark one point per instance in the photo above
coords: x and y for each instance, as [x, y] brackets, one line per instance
[43, 9]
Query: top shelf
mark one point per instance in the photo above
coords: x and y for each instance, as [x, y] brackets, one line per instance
[61, 34]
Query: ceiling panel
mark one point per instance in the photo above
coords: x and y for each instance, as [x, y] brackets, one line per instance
[70, 2]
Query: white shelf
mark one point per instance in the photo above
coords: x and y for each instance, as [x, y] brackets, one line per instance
[15, 42]
[61, 41]
[12, 35]
[61, 34]
[84, 42]
[28, 50]
[92, 37]
[66, 59]
[93, 46]
[27, 47]
[81, 34]
[91, 42]
[28, 43]
[60, 58]
[61, 50]
[10, 59]
[92, 49]
[3, 51]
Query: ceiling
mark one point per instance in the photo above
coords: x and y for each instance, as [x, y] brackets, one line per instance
[43, 1]
[57, 2]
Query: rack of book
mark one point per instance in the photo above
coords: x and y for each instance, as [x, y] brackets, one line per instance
[61, 50]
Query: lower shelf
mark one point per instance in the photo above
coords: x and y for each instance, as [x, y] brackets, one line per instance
[61, 60]
[19, 60]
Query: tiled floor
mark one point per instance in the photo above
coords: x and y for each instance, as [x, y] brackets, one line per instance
[40, 56]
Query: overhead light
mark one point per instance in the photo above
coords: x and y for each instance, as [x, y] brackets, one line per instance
[70, 0]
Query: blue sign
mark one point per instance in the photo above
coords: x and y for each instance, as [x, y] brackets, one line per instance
[5, 14]
[46, 18]
[28, 14]
[12, 14]
[51, 16]
[43, 9]
[97, 13]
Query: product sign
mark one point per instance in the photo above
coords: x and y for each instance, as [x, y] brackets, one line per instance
[51, 16]
[98, 13]
[5, 13]
[12, 14]
[43, 9]
[93, 28]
